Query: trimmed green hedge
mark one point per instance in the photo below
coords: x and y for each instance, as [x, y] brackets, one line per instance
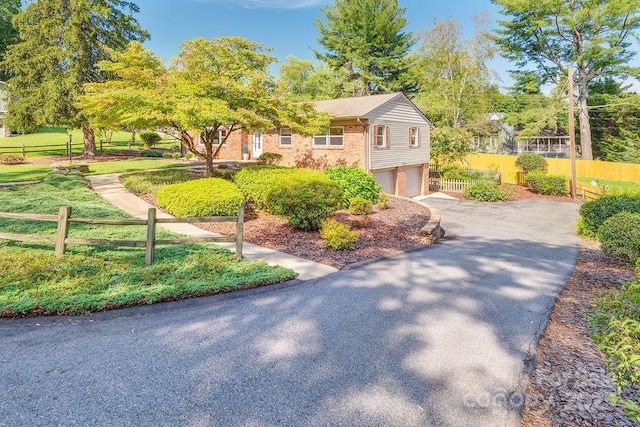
[596, 212]
[355, 183]
[620, 236]
[549, 185]
[485, 191]
[530, 162]
[256, 182]
[201, 197]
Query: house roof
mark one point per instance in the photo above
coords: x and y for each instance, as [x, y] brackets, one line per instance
[354, 107]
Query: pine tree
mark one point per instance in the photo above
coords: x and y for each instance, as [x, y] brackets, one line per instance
[61, 43]
[367, 40]
[8, 33]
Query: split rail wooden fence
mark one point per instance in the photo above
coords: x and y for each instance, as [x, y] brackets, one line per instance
[64, 219]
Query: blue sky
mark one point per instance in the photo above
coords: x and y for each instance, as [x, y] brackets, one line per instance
[284, 25]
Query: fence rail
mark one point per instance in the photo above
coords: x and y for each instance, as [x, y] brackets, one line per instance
[64, 219]
[450, 185]
[24, 149]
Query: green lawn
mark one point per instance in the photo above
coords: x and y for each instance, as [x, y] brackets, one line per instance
[613, 186]
[19, 173]
[33, 281]
[57, 138]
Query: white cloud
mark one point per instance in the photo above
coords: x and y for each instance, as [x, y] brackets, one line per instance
[270, 4]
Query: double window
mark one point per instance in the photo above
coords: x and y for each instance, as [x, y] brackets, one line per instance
[380, 136]
[414, 137]
[333, 138]
[285, 137]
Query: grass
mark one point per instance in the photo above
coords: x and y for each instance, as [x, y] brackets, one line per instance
[54, 139]
[19, 173]
[612, 186]
[88, 279]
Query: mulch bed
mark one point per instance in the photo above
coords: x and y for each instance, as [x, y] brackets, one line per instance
[570, 385]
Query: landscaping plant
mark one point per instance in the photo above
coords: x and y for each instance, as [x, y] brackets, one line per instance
[269, 159]
[150, 139]
[201, 197]
[620, 236]
[151, 153]
[360, 206]
[355, 183]
[595, 213]
[151, 182]
[530, 162]
[256, 182]
[383, 201]
[338, 236]
[485, 191]
[549, 185]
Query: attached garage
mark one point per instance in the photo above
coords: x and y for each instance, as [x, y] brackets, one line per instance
[414, 181]
[387, 180]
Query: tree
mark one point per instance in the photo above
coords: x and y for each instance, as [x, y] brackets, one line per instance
[367, 40]
[449, 145]
[8, 33]
[303, 80]
[452, 73]
[222, 84]
[61, 43]
[590, 35]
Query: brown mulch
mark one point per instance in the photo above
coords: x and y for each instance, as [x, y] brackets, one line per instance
[99, 157]
[570, 385]
[519, 192]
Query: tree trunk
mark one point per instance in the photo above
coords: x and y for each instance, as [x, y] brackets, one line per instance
[89, 139]
[209, 150]
[585, 127]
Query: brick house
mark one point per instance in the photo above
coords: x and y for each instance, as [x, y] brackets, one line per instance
[385, 135]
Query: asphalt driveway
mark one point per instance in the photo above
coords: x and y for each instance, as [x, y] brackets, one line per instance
[434, 337]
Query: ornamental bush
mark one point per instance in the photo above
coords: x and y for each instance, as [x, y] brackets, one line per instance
[201, 197]
[485, 191]
[338, 236]
[620, 236]
[151, 153]
[360, 206]
[255, 182]
[529, 162]
[454, 172]
[383, 201]
[595, 213]
[11, 159]
[269, 159]
[150, 139]
[355, 183]
[305, 199]
[549, 185]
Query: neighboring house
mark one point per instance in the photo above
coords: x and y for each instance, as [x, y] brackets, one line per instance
[3, 111]
[385, 135]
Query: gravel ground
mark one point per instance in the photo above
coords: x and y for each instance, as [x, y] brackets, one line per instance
[570, 385]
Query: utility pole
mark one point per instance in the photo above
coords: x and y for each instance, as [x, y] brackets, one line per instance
[572, 136]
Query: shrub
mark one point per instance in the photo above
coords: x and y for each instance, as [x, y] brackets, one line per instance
[151, 153]
[529, 162]
[355, 183]
[188, 156]
[360, 206]
[304, 199]
[549, 185]
[596, 212]
[255, 182]
[454, 172]
[269, 159]
[338, 236]
[620, 236]
[485, 191]
[383, 201]
[11, 159]
[151, 182]
[201, 197]
[149, 139]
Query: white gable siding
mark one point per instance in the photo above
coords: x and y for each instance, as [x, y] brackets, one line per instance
[399, 115]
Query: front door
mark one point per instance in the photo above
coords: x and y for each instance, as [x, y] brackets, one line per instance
[257, 145]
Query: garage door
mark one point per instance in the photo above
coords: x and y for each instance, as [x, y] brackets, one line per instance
[414, 179]
[385, 179]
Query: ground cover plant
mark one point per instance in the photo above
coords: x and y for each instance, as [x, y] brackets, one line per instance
[151, 182]
[201, 197]
[87, 278]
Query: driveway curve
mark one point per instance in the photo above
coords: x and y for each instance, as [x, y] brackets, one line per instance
[441, 336]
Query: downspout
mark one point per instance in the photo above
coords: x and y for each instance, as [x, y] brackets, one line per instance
[367, 152]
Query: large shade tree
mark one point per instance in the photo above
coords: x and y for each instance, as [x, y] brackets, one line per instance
[8, 33]
[368, 41]
[592, 36]
[61, 43]
[221, 84]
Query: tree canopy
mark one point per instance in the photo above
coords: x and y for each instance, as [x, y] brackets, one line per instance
[8, 33]
[303, 80]
[367, 40]
[61, 43]
[213, 85]
[592, 36]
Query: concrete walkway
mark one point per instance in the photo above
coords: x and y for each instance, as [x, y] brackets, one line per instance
[109, 187]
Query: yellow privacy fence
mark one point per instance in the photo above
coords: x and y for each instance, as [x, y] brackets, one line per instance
[595, 169]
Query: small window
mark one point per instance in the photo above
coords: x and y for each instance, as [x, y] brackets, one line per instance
[414, 137]
[380, 136]
[222, 133]
[333, 138]
[285, 136]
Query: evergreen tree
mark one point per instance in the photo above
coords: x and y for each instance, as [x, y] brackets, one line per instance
[61, 43]
[366, 39]
[8, 33]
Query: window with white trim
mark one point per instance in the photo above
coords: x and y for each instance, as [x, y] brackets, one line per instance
[380, 136]
[285, 137]
[414, 137]
[333, 138]
[222, 133]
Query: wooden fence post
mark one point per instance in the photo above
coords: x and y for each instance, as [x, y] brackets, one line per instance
[24, 151]
[151, 237]
[239, 232]
[63, 229]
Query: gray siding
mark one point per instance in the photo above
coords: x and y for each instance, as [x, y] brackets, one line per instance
[399, 115]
